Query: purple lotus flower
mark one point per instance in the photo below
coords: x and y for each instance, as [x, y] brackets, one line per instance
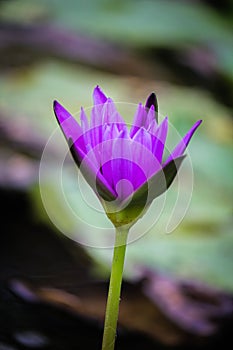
[125, 167]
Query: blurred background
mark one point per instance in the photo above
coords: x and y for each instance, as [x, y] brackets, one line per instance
[183, 51]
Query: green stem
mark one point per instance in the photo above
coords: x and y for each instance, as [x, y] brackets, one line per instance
[112, 309]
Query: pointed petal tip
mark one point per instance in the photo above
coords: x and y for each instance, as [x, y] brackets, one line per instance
[152, 101]
[193, 129]
[60, 112]
[55, 104]
[98, 96]
[197, 123]
[97, 89]
[56, 107]
[183, 144]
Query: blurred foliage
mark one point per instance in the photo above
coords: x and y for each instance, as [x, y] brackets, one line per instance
[138, 23]
[202, 245]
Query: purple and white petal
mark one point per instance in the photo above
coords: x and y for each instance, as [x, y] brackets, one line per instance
[139, 120]
[159, 139]
[89, 166]
[84, 120]
[144, 138]
[110, 115]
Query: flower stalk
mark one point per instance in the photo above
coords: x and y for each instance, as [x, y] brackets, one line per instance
[113, 301]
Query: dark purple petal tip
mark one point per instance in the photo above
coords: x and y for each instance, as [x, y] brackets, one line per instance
[60, 112]
[56, 105]
[152, 101]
